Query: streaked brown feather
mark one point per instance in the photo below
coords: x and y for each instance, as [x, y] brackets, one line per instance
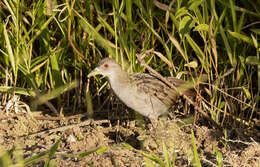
[153, 86]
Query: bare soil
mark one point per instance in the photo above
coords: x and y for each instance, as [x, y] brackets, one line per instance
[37, 132]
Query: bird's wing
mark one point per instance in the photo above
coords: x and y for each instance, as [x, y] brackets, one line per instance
[154, 87]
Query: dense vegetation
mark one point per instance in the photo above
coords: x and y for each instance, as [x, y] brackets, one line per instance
[50, 46]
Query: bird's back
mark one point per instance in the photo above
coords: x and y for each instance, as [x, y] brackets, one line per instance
[156, 88]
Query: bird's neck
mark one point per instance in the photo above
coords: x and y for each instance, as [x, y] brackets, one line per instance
[119, 78]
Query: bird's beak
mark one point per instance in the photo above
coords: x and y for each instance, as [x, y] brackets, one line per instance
[94, 72]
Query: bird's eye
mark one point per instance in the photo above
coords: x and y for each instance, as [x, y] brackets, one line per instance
[106, 65]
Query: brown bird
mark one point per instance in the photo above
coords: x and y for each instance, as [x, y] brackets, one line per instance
[142, 92]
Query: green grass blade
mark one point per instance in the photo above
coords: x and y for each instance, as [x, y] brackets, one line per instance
[159, 38]
[55, 70]
[198, 52]
[185, 25]
[36, 158]
[173, 158]
[242, 37]
[107, 26]
[195, 152]
[51, 153]
[255, 30]
[202, 27]
[56, 92]
[95, 35]
[233, 14]
[40, 30]
[149, 163]
[178, 46]
[232, 60]
[166, 156]
[98, 150]
[17, 90]
[11, 55]
[253, 60]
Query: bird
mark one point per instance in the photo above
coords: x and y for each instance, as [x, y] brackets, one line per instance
[142, 92]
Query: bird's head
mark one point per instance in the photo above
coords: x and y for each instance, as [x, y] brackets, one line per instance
[106, 67]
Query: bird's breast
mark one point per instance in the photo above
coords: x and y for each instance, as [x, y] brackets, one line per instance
[139, 100]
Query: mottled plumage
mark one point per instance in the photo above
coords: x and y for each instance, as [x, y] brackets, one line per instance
[142, 92]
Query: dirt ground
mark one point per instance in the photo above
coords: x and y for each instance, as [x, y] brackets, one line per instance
[38, 131]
